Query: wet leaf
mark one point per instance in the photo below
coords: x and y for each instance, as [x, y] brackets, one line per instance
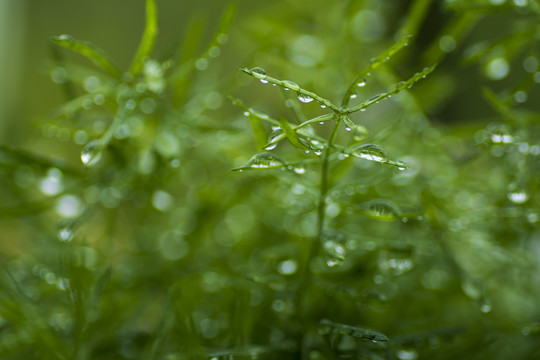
[327, 327]
[88, 50]
[383, 210]
[262, 161]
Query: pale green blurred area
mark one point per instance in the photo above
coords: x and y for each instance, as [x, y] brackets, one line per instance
[26, 90]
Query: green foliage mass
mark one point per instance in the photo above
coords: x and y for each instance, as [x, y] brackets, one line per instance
[319, 180]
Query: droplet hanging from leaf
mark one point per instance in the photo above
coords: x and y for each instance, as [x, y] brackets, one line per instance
[262, 161]
[258, 72]
[91, 153]
[383, 210]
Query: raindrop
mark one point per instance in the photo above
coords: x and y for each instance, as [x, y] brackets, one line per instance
[305, 98]
[381, 210]
[321, 122]
[407, 354]
[353, 95]
[246, 113]
[65, 234]
[91, 153]
[317, 152]
[323, 106]
[287, 267]
[290, 85]
[485, 307]
[299, 170]
[370, 152]
[271, 147]
[362, 83]
[333, 262]
[201, 64]
[263, 161]
[258, 72]
[497, 69]
[347, 128]
[518, 197]
[264, 81]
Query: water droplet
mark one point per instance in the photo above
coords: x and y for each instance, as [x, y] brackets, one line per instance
[263, 81]
[381, 210]
[407, 354]
[263, 161]
[287, 267]
[497, 69]
[258, 72]
[323, 106]
[353, 95]
[299, 170]
[271, 147]
[305, 98]
[91, 153]
[162, 201]
[370, 152]
[52, 184]
[317, 152]
[290, 85]
[201, 64]
[347, 128]
[362, 83]
[321, 122]
[333, 262]
[485, 307]
[65, 234]
[518, 197]
[246, 113]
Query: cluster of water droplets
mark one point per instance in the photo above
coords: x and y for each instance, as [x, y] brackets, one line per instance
[335, 247]
[396, 260]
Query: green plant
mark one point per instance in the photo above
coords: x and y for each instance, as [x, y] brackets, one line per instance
[125, 235]
[327, 151]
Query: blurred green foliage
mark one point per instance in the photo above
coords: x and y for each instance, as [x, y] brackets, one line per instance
[130, 238]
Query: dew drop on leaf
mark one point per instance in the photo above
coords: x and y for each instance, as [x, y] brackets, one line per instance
[384, 210]
[91, 153]
[65, 234]
[370, 152]
[258, 72]
[305, 98]
[290, 85]
[362, 83]
[263, 161]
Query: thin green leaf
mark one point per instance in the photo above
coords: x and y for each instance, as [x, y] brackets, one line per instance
[148, 39]
[383, 210]
[359, 80]
[397, 88]
[256, 113]
[262, 161]
[86, 49]
[373, 152]
[303, 94]
[327, 327]
[316, 120]
[11, 157]
[291, 135]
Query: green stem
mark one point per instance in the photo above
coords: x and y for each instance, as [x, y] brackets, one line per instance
[314, 247]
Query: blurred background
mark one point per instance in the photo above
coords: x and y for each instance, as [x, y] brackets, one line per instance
[126, 257]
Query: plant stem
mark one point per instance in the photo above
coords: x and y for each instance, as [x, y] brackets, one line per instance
[306, 275]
